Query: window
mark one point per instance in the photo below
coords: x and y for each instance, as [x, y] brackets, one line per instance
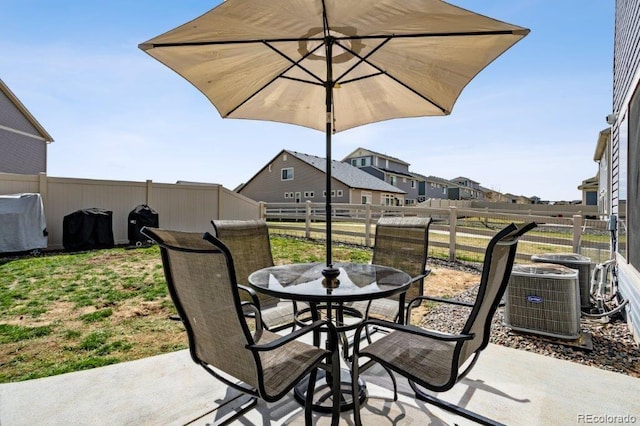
[388, 200]
[309, 194]
[287, 174]
[413, 184]
[354, 162]
[339, 192]
[392, 180]
[363, 162]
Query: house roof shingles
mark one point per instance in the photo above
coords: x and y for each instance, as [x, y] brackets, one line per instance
[347, 174]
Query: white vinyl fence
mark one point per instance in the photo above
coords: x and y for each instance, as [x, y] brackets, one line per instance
[180, 206]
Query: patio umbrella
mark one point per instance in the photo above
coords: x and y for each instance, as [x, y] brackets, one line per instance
[332, 65]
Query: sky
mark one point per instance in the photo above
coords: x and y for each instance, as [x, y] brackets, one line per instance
[526, 125]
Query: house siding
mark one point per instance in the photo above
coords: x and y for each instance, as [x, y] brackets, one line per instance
[386, 169]
[23, 148]
[268, 186]
[13, 118]
[626, 77]
[435, 192]
[22, 154]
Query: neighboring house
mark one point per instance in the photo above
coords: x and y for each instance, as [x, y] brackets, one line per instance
[517, 199]
[436, 187]
[421, 180]
[625, 154]
[23, 141]
[602, 156]
[589, 190]
[295, 177]
[389, 169]
[493, 196]
[473, 189]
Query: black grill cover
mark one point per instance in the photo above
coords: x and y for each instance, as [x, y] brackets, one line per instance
[88, 229]
[141, 216]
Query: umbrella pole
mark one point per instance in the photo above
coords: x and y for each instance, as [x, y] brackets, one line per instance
[330, 273]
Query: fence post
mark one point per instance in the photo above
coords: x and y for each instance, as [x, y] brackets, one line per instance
[367, 225]
[577, 232]
[262, 210]
[43, 190]
[148, 193]
[453, 218]
[307, 220]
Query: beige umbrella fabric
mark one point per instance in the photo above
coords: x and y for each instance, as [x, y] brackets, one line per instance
[332, 65]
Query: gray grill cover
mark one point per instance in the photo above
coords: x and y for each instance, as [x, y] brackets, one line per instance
[23, 225]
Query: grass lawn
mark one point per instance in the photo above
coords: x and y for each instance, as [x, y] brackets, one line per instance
[64, 312]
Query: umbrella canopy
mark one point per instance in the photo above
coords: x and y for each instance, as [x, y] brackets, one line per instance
[332, 65]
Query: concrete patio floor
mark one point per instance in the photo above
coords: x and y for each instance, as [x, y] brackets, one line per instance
[508, 385]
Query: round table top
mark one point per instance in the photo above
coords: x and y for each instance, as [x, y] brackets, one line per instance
[305, 282]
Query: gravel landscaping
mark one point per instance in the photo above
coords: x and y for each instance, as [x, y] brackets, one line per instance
[613, 346]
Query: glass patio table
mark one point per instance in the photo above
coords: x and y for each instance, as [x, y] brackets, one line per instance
[304, 282]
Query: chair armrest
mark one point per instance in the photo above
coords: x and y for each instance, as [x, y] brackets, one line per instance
[316, 325]
[254, 296]
[256, 314]
[419, 299]
[421, 276]
[442, 300]
[413, 330]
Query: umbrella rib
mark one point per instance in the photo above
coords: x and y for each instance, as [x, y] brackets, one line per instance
[523, 32]
[382, 72]
[296, 63]
[281, 75]
[300, 80]
[451, 34]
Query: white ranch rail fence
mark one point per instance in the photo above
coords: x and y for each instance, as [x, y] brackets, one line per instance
[456, 233]
[180, 206]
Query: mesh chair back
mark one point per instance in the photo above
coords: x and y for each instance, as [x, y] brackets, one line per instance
[498, 262]
[248, 242]
[202, 285]
[402, 243]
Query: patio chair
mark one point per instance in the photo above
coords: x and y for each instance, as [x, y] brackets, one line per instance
[437, 361]
[402, 243]
[248, 241]
[201, 279]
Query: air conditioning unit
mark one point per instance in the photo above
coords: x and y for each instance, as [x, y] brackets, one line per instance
[573, 261]
[543, 298]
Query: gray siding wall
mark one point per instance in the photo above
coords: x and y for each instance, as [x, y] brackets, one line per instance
[626, 59]
[268, 186]
[411, 193]
[19, 153]
[392, 165]
[626, 66]
[432, 192]
[13, 118]
[22, 154]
